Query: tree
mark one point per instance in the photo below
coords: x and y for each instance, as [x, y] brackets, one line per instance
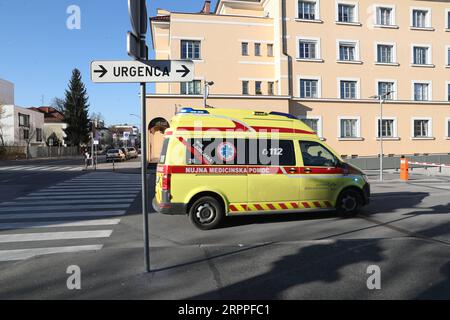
[58, 104]
[76, 110]
[2, 139]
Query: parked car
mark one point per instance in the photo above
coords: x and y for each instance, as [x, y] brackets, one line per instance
[124, 150]
[115, 155]
[132, 153]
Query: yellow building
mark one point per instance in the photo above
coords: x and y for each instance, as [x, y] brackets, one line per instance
[321, 60]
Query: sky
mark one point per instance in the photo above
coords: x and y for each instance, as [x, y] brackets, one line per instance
[38, 52]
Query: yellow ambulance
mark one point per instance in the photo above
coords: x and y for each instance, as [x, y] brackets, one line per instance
[224, 162]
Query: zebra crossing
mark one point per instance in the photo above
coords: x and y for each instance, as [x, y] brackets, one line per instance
[38, 168]
[73, 216]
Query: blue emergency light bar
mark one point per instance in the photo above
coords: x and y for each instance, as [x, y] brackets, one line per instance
[287, 115]
[193, 111]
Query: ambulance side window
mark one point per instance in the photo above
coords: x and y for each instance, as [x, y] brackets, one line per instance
[316, 155]
[272, 152]
[162, 158]
[216, 151]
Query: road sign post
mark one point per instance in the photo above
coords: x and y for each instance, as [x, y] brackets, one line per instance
[141, 71]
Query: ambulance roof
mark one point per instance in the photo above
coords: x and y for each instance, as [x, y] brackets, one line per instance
[236, 120]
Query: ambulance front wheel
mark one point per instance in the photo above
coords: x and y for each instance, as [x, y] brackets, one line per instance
[206, 213]
[349, 203]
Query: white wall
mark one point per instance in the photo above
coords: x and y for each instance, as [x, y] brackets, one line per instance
[6, 92]
[9, 122]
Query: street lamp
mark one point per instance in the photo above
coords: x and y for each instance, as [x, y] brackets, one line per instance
[206, 92]
[381, 98]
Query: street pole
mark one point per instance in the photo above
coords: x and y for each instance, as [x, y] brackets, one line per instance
[381, 138]
[205, 94]
[144, 176]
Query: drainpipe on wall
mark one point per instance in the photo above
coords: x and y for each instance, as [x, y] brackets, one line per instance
[285, 47]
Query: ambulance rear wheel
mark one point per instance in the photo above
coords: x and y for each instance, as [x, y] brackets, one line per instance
[349, 203]
[206, 213]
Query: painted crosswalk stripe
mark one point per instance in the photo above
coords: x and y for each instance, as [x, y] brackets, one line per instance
[98, 193]
[66, 207]
[22, 254]
[56, 215]
[58, 224]
[49, 236]
[71, 196]
[99, 200]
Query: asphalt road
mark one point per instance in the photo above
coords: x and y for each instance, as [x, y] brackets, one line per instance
[92, 220]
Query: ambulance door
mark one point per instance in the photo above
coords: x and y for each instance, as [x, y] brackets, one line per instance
[320, 175]
[273, 182]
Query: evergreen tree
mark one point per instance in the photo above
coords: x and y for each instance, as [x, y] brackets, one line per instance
[76, 111]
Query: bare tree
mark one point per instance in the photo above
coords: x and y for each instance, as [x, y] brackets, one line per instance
[58, 104]
[2, 114]
[28, 138]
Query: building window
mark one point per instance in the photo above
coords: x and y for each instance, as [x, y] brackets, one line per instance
[422, 128]
[244, 48]
[309, 88]
[384, 16]
[387, 128]
[270, 50]
[421, 55]
[308, 49]
[347, 51]
[448, 91]
[448, 19]
[447, 124]
[385, 53]
[420, 18]
[307, 10]
[193, 87]
[348, 89]
[24, 120]
[190, 49]
[25, 134]
[386, 90]
[312, 123]
[349, 128]
[258, 89]
[448, 56]
[270, 88]
[346, 13]
[38, 135]
[245, 87]
[257, 49]
[421, 91]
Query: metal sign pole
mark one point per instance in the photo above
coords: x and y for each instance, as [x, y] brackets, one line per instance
[144, 176]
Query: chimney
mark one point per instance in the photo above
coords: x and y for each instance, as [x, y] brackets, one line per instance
[206, 7]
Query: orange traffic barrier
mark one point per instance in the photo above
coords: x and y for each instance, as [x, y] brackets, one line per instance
[404, 174]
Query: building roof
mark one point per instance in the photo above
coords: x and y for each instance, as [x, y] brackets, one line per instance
[51, 115]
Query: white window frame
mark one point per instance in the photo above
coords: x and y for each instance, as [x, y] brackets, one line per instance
[394, 95]
[447, 125]
[430, 90]
[394, 52]
[429, 54]
[428, 21]
[317, 11]
[355, 14]
[306, 77]
[430, 133]
[242, 49]
[358, 88]
[309, 39]
[319, 123]
[358, 127]
[395, 132]
[338, 51]
[393, 18]
[257, 45]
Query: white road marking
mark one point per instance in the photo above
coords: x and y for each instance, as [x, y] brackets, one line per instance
[68, 207]
[67, 193]
[75, 202]
[71, 196]
[15, 255]
[49, 236]
[92, 214]
[57, 224]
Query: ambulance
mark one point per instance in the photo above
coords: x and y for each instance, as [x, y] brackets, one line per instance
[218, 163]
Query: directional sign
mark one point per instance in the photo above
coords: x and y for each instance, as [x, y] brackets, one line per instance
[142, 71]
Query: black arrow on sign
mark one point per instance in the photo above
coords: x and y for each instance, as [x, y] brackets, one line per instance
[185, 71]
[103, 71]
